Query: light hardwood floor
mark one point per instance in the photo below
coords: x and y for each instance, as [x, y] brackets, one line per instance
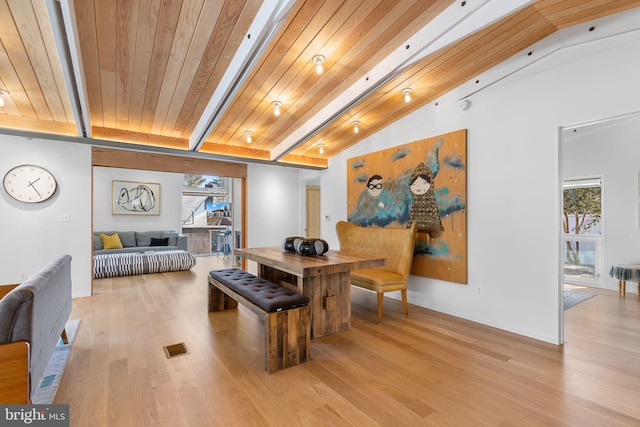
[425, 369]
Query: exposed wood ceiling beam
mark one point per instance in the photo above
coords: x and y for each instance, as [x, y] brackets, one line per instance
[264, 27]
[65, 33]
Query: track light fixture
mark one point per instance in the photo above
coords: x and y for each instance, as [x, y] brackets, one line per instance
[276, 107]
[318, 60]
[407, 94]
[248, 135]
[356, 126]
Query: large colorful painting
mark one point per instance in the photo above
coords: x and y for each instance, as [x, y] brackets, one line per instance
[424, 182]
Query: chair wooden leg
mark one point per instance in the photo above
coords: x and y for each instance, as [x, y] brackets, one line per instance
[405, 304]
[63, 336]
[380, 298]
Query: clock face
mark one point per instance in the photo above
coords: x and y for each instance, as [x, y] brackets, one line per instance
[30, 183]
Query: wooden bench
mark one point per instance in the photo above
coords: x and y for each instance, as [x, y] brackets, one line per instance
[285, 314]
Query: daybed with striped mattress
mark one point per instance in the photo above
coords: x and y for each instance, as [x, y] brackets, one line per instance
[130, 263]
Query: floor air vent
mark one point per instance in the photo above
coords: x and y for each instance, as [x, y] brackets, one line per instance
[175, 350]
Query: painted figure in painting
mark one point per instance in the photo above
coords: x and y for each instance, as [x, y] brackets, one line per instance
[424, 208]
[374, 188]
[376, 206]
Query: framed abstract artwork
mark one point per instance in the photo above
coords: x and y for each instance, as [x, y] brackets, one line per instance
[425, 182]
[135, 198]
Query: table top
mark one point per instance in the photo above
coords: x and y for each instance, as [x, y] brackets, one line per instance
[308, 266]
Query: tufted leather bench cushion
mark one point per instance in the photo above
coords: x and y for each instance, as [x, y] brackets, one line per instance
[266, 295]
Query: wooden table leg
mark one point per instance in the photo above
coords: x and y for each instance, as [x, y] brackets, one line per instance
[329, 297]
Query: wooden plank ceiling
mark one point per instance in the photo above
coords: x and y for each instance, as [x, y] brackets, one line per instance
[156, 73]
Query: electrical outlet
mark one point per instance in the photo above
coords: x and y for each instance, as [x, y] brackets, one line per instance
[22, 275]
[479, 290]
[327, 217]
[63, 217]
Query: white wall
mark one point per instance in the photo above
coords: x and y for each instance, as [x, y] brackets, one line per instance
[611, 150]
[31, 234]
[513, 181]
[170, 201]
[273, 199]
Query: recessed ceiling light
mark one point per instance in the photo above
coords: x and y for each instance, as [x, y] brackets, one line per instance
[276, 107]
[407, 94]
[318, 60]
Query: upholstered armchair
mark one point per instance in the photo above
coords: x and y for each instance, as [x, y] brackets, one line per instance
[395, 244]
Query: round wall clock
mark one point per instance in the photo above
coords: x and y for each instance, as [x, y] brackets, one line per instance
[30, 183]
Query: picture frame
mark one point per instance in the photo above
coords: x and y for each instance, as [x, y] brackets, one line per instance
[135, 198]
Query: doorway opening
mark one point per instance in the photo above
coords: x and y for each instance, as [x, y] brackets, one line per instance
[312, 226]
[207, 214]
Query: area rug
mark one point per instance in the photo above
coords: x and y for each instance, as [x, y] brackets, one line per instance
[46, 392]
[571, 298]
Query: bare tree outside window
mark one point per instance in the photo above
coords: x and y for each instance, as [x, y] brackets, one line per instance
[582, 213]
[203, 181]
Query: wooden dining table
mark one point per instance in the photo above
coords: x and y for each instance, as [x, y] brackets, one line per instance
[325, 279]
